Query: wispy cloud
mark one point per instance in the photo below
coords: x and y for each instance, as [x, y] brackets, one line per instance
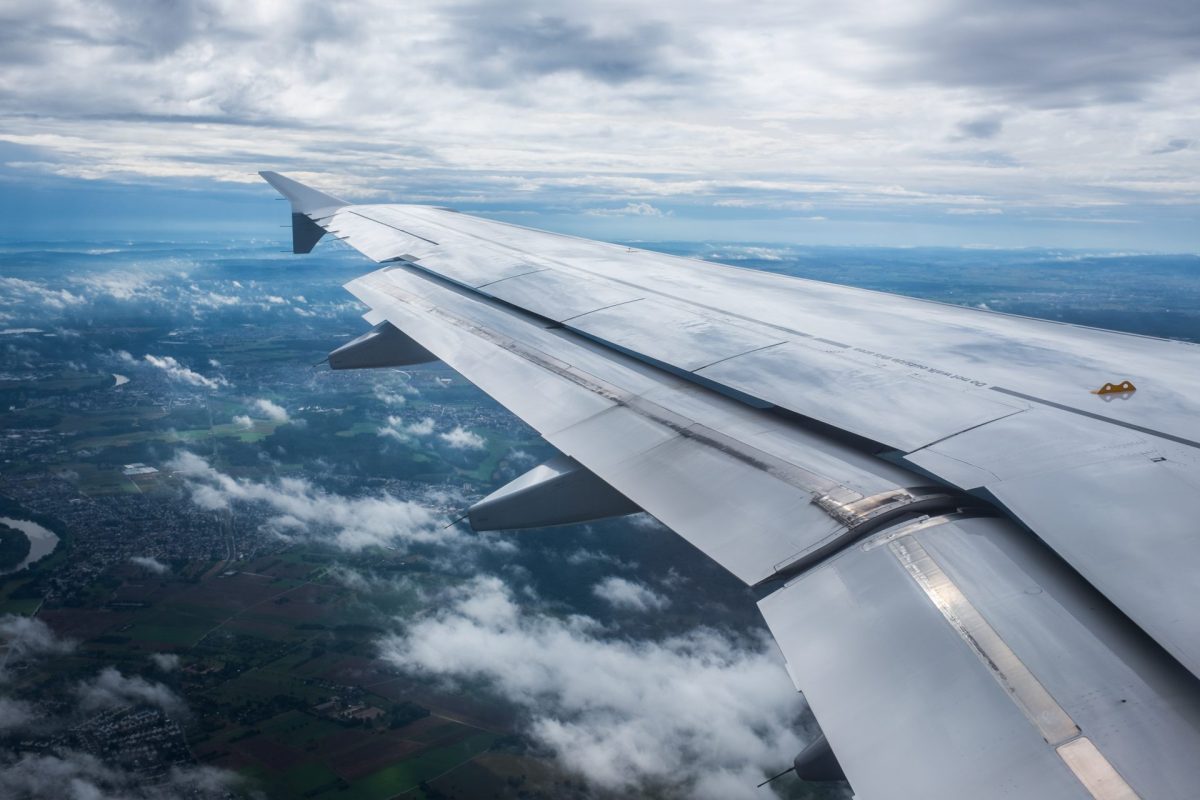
[179, 372]
[150, 564]
[112, 689]
[29, 638]
[167, 662]
[628, 210]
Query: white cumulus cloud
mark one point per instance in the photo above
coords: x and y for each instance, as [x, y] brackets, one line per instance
[272, 411]
[301, 509]
[459, 438]
[624, 713]
[629, 595]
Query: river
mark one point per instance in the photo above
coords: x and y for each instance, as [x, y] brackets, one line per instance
[42, 541]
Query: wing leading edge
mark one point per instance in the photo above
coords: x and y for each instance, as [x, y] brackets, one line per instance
[856, 456]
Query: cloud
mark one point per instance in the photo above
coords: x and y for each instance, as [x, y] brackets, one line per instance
[602, 106]
[974, 211]
[82, 776]
[15, 715]
[396, 428]
[150, 564]
[167, 662]
[626, 714]
[273, 411]
[243, 421]
[459, 438]
[389, 398]
[303, 510]
[1174, 146]
[67, 773]
[629, 210]
[583, 556]
[629, 595]
[178, 372]
[27, 638]
[20, 292]
[423, 427]
[980, 127]
[1054, 56]
[111, 689]
[501, 45]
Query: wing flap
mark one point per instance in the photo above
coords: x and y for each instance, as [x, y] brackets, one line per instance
[957, 658]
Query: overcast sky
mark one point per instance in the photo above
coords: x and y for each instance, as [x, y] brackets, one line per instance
[957, 122]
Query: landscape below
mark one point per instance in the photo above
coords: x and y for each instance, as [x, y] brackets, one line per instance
[242, 535]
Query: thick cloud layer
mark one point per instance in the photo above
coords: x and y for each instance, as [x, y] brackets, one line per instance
[653, 116]
[700, 713]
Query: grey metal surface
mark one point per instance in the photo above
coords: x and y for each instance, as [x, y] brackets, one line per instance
[963, 661]
[671, 335]
[558, 492]
[384, 345]
[1123, 507]
[976, 349]
[658, 440]
[557, 296]
[952, 388]
[305, 233]
[304, 199]
[887, 404]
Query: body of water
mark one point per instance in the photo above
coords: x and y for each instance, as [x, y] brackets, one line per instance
[42, 541]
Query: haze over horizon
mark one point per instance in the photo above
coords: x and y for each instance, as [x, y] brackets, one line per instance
[955, 122]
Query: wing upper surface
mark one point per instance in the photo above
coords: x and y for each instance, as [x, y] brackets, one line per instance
[660, 441]
[910, 375]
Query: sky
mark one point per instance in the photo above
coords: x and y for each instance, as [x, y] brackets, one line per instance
[930, 122]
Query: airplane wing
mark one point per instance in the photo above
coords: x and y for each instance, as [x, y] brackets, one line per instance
[975, 536]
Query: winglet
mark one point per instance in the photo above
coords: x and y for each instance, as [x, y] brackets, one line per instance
[307, 204]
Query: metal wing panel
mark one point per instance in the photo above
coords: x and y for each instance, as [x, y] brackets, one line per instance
[650, 435]
[1120, 505]
[556, 296]
[957, 659]
[1129, 527]
[671, 335]
[1052, 362]
[377, 242]
[887, 404]
[899, 402]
